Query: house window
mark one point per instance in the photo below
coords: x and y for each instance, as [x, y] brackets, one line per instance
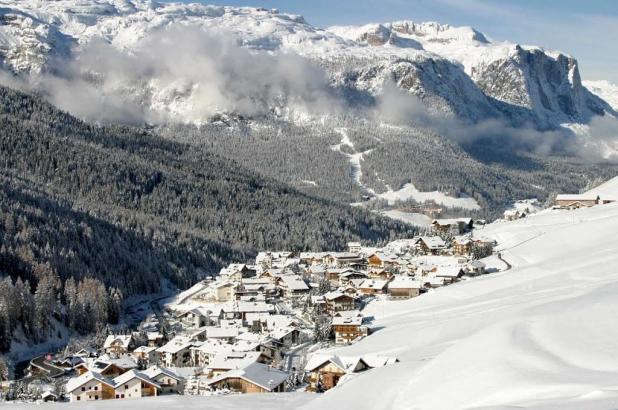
[126, 387]
[96, 387]
[96, 397]
[83, 389]
[78, 398]
[122, 396]
[117, 396]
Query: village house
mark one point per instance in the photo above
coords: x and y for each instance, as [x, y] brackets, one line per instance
[176, 352]
[456, 226]
[433, 245]
[373, 287]
[223, 291]
[343, 259]
[325, 371]
[573, 201]
[133, 385]
[254, 378]
[513, 214]
[348, 326]
[194, 318]
[403, 287]
[475, 267]
[229, 360]
[110, 367]
[345, 278]
[287, 336]
[462, 245]
[354, 247]
[146, 355]
[450, 274]
[90, 386]
[118, 344]
[293, 286]
[168, 381]
[333, 275]
[383, 274]
[337, 301]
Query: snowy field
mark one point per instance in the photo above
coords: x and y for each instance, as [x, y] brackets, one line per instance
[409, 191]
[417, 219]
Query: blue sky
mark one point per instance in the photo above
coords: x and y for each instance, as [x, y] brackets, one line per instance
[586, 29]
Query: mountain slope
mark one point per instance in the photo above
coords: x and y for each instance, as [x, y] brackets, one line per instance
[452, 69]
[120, 208]
[537, 335]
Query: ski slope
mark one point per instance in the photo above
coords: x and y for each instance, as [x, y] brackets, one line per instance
[540, 335]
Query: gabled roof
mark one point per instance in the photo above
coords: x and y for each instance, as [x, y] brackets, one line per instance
[257, 373]
[176, 345]
[449, 271]
[122, 340]
[294, 282]
[77, 382]
[231, 360]
[155, 371]
[348, 364]
[402, 282]
[432, 242]
[132, 374]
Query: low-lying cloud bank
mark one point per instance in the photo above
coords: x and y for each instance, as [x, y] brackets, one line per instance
[596, 141]
[186, 75]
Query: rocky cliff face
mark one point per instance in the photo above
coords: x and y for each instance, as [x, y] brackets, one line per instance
[454, 70]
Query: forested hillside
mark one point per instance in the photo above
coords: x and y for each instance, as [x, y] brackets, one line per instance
[113, 210]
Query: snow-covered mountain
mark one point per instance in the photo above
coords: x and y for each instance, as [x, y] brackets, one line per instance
[604, 89]
[455, 70]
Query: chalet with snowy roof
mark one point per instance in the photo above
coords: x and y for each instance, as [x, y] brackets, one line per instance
[574, 201]
[383, 274]
[118, 344]
[145, 355]
[225, 361]
[475, 268]
[346, 277]
[450, 274]
[134, 384]
[112, 367]
[293, 286]
[354, 247]
[433, 245]
[348, 327]
[403, 287]
[456, 226]
[337, 301]
[343, 259]
[286, 336]
[431, 283]
[176, 352]
[87, 352]
[168, 381]
[254, 378]
[333, 274]
[194, 318]
[373, 287]
[513, 214]
[90, 386]
[325, 371]
[462, 245]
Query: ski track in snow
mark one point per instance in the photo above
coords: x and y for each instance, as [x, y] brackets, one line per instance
[356, 171]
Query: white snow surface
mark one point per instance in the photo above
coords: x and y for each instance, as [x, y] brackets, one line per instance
[608, 189]
[536, 335]
[409, 191]
[409, 217]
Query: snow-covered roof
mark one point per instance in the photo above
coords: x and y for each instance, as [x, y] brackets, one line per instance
[117, 340]
[155, 371]
[77, 382]
[404, 282]
[133, 374]
[175, 345]
[233, 360]
[257, 373]
[294, 282]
